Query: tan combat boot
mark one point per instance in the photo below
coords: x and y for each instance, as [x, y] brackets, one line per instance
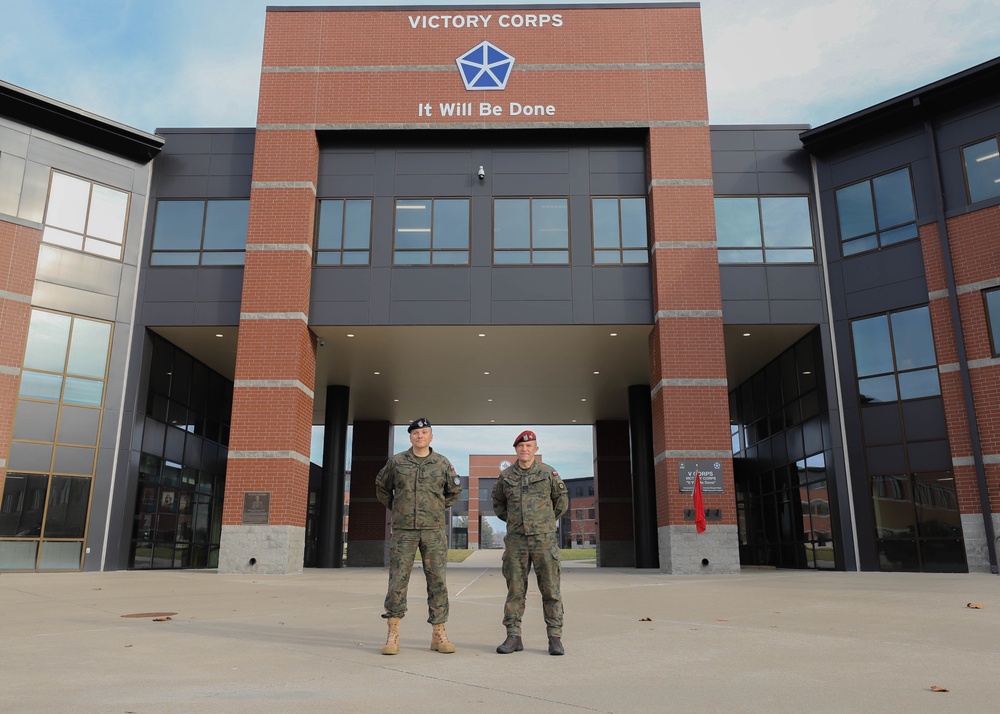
[391, 645]
[439, 640]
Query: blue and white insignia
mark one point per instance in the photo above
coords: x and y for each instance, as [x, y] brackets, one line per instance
[458, 481]
[485, 67]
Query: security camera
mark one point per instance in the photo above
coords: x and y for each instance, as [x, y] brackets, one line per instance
[482, 173]
[321, 343]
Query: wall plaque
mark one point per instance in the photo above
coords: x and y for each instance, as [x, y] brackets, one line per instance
[256, 507]
[710, 472]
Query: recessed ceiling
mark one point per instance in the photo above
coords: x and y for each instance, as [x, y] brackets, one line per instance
[562, 374]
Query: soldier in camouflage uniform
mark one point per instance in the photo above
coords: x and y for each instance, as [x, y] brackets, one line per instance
[418, 485]
[530, 497]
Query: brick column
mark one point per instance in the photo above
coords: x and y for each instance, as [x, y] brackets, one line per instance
[368, 537]
[613, 493]
[18, 259]
[275, 362]
[689, 391]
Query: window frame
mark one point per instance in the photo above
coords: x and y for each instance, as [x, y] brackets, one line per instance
[531, 250]
[431, 250]
[893, 355]
[994, 336]
[965, 167]
[317, 251]
[86, 236]
[620, 249]
[878, 231]
[762, 244]
[201, 250]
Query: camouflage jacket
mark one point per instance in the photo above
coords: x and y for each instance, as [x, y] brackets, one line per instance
[418, 492]
[530, 500]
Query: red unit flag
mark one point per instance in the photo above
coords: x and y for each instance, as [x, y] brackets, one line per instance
[699, 505]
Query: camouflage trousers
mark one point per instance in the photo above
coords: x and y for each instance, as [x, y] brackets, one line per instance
[433, 545]
[520, 553]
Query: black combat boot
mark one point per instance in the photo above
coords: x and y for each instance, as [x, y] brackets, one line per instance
[511, 644]
[555, 646]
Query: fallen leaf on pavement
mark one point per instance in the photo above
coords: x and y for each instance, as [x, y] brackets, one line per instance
[936, 688]
[646, 619]
[160, 619]
[974, 605]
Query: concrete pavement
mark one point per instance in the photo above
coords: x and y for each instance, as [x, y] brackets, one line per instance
[636, 641]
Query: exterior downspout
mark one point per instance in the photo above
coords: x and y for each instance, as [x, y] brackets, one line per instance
[963, 362]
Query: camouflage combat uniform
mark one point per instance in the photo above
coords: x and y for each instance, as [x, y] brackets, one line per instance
[531, 501]
[417, 491]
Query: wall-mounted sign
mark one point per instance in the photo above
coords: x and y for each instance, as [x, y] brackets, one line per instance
[710, 472]
[256, 508]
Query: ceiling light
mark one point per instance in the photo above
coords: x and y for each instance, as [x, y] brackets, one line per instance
[807, 372]
[746, 334]
[987, 157]
[614, 334]
[218, 334]
[376, 373]
[350, 334]
[395, 400]
[596, 372]
[485, 372]
[583, 400]
[489, 400]
[482, 334]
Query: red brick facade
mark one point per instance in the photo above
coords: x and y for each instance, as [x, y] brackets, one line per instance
[318, 75]
[976, 262]
[18, 257]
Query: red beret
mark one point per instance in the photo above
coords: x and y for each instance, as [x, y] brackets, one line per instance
[525, 436]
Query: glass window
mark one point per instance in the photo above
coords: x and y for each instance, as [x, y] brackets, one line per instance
[85, 216]
[22, 505]
[894, 356]
[210, 232]
[982, 170]
[877, 212]
[620, 235]
[765, 229]
[992, 299]
[530, 231]
[343, 234]
[432, 231]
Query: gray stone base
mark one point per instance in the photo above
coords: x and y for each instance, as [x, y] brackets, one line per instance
[976, 549]
[262, 550]
[616, 554]
[368, 554]
[683, 551]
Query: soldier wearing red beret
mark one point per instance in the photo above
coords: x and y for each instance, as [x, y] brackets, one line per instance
[530, 497]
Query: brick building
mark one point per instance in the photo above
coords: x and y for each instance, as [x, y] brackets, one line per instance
[503, 215]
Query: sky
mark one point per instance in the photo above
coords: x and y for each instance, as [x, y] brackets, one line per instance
[196, 63]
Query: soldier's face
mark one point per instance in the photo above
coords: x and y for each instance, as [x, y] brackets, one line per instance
[526, 452]
[421, 438]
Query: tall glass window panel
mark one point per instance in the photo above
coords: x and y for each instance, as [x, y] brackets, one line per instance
[85, 216]
[620, 233]
[539, 224]
[177, 232]
[876, 213]
[225, 238]
[982, 170]
[22, 505]
[69, 498]
[344, 232]
[737, 230]
[787, 229]
[992, 300]
[48, 340]
[872, 345]
[88, 352]
[912, 338]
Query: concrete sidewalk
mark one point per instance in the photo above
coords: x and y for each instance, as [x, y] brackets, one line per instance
[636, 641]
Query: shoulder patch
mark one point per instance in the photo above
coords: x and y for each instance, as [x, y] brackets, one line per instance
[458, 481]
[562, 486]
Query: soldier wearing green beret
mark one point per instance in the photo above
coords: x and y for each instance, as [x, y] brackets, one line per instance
[418, 485]
[530, 497]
